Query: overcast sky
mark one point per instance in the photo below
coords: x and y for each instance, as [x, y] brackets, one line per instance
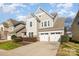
[19, 11]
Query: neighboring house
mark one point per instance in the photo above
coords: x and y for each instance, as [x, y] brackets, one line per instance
[3, 32]
[12, 27]
[75, 28]
[44, 26]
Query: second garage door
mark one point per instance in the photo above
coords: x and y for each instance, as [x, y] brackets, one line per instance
[54, 37]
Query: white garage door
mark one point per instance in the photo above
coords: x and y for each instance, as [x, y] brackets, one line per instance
[55, 36]
[43, 37]
[51, 36]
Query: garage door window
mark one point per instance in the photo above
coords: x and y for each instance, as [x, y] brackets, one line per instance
[58, 32]
[44, 33]
[52, 33]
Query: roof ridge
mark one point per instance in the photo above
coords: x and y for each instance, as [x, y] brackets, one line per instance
[45, 12]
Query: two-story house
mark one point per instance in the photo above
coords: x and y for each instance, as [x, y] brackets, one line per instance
[44, 26]
[12, 27]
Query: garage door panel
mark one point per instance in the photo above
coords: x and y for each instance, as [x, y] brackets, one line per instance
[54, 37]
[43, 37]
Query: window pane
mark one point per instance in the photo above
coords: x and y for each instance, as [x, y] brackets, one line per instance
[46, 33]
[30, 24]
[58, 33]
[52, 33]
[42, 24]
[48, 23]
[45, 23]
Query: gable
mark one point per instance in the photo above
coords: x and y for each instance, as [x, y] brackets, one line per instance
[42, 14]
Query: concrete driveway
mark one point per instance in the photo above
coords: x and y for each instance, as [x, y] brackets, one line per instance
[37, 49]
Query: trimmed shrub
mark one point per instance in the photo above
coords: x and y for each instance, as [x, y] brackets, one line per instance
[13, 37]
[16, 39]
[30, 39]
[64, 38]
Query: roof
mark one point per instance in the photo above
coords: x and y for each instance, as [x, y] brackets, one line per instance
[10, 22]
[19, 22]
[13, 21]
[18, 30]
[49, 29]
[54, 14]
[58, 25]
[31, 15]
[40, 10]
[76, 18]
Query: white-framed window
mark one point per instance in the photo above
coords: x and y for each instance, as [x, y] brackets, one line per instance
[30, 24]
[58, 32]
[48, 23]
[44, 33]
[42, 24]
[52, 33]
[45, 23]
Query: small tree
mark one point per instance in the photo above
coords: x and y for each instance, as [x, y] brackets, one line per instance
[64, 38]
[13, 37]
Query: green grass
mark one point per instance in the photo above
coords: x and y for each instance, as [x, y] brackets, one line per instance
[65, 46]
[69, 49]
[9, 45]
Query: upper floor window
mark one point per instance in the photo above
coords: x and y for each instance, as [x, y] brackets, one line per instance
[45, 23]
[42, 24]
[48, 23]
[30, 24]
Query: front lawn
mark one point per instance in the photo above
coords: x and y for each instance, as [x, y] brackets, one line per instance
[9, 45]
[68, 49]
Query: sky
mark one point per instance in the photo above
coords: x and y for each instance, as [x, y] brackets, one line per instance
[19, 11]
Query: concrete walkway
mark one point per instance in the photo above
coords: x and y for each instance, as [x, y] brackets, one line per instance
[36, 49]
